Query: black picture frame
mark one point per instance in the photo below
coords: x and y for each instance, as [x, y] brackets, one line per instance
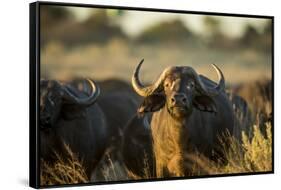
[34, 82]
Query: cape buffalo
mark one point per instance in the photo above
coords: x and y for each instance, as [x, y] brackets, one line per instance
[258, 95]
[242, 116]
[69, 114]
[137, 151]
[118, 106]
[189, 112]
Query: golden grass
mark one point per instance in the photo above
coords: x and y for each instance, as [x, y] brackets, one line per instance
[254, 154]
[146, 171]
[251, 153]
[258, 150]
[110, 170]
[67, 170]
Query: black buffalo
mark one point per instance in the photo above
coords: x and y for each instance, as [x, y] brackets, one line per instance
[243, 117]
[70, 115]
[189, 112]
[258, 95]
[119, 103]
[137, 151]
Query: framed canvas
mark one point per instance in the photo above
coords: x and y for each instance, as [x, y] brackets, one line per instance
[127, 94]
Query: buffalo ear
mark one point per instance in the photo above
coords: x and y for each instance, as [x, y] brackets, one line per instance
[152, 103]
[205, 103]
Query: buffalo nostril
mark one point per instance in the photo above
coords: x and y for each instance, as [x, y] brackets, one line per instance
[173, 99]
[184, 100]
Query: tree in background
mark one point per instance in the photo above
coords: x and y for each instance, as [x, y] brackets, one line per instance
[214, 37]
[173, 31]
[212, 26]
[267, 36]
[58, 24]
[50, 18]
[257, 40]
[250, 36]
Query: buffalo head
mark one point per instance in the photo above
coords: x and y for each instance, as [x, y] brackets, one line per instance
[179, 89]
[53, 95]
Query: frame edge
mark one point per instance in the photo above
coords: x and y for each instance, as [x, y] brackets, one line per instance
[33, 61]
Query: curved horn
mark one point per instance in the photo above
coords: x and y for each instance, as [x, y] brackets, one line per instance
[206, 90]
[95, 91]
[146, 90]
[221, 84]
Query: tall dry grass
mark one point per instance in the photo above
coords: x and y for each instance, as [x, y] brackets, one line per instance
[254, 154]
[110, 168]
[251, 153]
[67, 170]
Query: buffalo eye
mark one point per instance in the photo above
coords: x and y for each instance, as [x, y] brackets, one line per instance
[190, 85]
[167, 84]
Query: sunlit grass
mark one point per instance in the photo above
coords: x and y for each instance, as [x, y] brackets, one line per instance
[254, 154]
[250, 153]
[66, 170]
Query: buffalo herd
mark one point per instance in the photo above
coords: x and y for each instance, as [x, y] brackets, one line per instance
[149, 129]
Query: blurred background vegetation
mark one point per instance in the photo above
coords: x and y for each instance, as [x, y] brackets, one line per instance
[108, 43]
